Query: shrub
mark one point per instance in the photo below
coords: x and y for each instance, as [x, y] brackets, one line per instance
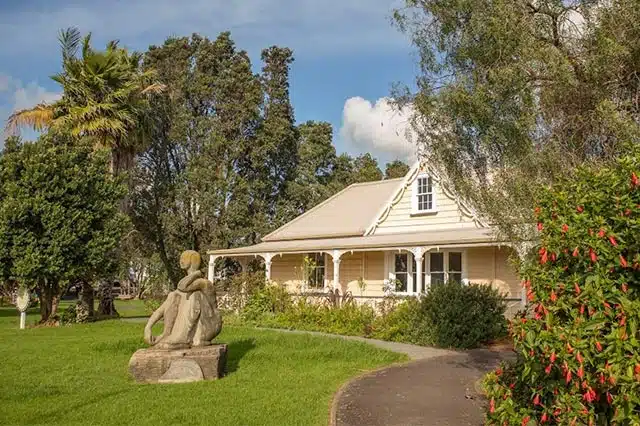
[462, 316]
[401, 321]
[234, 293]
[580, 357]
[271, 299]
[69, 314]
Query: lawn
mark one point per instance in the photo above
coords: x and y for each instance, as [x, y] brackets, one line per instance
[78, 375]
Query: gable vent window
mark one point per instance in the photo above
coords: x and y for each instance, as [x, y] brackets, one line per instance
[424, 200]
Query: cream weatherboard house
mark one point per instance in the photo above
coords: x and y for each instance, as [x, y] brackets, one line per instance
[401, 235]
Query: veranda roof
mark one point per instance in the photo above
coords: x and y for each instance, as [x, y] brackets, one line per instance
[348, 213]
[458, 237]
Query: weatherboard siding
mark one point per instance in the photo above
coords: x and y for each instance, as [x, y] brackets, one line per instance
[400, 220]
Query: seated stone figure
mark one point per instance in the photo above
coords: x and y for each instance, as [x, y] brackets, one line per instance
[191, 316]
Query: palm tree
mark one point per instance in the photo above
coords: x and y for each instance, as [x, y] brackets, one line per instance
[104, 97]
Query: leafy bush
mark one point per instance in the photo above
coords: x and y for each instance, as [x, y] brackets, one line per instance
[69, 314]
[234, 293]
[401, 322]
[271, 299]
[579, 350]
[462, 316]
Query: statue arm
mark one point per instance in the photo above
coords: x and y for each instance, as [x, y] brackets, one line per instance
[157, 315]
[185, 283]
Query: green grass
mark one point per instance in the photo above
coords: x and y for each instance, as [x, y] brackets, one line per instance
[78, 375]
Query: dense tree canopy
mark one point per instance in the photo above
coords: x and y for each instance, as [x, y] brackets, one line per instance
[515, 93]
[396, 169]
[59, 216]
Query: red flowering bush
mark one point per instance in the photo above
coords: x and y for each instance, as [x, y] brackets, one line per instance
[579, 356]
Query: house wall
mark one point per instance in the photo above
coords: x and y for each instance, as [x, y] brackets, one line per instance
[484, 265]
[447, 216]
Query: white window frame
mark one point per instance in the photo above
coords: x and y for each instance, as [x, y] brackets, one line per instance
[415, 195]
[390, 264]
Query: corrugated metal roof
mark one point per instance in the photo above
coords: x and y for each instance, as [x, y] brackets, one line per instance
[346, 214]
[449, 237]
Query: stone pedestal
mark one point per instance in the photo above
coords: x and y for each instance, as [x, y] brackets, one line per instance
[178, 365]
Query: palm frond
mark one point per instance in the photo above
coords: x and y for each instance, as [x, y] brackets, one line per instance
[69, 39]
[39, 118]
[86, 46]
[154, 88]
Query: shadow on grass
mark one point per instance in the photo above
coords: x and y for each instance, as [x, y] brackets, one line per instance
[64, 409]
[235, 351]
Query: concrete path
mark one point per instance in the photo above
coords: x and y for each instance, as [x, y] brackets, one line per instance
[434, 391]
[413, 351]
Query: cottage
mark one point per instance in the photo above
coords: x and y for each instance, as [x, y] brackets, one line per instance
[400, 235]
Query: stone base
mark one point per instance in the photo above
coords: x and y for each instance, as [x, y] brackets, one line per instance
[178, 365]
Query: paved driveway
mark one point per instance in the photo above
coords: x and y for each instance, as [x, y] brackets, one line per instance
[434, 391]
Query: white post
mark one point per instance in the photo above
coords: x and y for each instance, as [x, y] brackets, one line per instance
[267, 266]
[417, 255]
[336, 269]
[212, 268]
[23, 319]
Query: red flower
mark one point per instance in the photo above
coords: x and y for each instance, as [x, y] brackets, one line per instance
[612, 380]
[581, 309]
[498, 371]
[525, 421]
[553, 357]
[625, 287]
[553, 296]
[576, 287]
[637, 369]
[548, 369]
[623, 261]
[543, 419]
[537, 211]
[569, 348]
[580, 209]
[612, 240]
[601, 379]
[623, 321]
[575, 252]
[579, 357]
[492, 406]
[553, 257]
[568, 376]
[609, 398]
[565, 228]
[601, 233]
[598, 346]
[594, 256]
[580, 372]
[540, 226]
[512, 385]
[634, 180]
[536, 400]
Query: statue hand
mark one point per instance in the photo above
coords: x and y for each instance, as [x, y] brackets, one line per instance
[149, 338]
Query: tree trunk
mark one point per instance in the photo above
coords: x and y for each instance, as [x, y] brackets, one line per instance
[84, 308]
[106, 308]
[49, 295]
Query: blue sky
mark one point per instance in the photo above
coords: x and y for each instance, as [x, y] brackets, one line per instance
[347, 53]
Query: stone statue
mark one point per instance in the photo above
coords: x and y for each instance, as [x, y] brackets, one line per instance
[191, 316]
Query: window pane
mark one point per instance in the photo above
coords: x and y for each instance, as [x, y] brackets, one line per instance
[455, 276]
[401, 263]
[429, 185]
[437, 263]
[455, 262]
[401, 282]
[319, 259]
[437, 278]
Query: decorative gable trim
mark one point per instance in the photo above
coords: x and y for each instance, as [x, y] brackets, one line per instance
[407, 183]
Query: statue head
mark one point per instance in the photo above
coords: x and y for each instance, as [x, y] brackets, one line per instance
[190, 259]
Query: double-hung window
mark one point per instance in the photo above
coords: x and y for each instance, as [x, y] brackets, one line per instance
[445, 266]
[424, 199]
[317, 271]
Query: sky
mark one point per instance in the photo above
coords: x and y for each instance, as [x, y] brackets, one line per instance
[347, 54]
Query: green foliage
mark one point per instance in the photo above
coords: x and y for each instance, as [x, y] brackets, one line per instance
[516, 93]
[69, 315]
[396, 169]
[579, 350]
[239, 289]
[59, 217]
[272, 299]
[453, 316]
[463, 316]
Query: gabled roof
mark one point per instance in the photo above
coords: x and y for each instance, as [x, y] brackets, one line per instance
[346, 214]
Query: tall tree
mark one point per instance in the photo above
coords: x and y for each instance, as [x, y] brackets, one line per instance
[513, 94]
[315, 166]
[59, 217]
[396, 169]
[104, 97]
[366, 169]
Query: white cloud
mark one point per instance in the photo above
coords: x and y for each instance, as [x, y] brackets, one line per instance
[378, 128]
[31, 95]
